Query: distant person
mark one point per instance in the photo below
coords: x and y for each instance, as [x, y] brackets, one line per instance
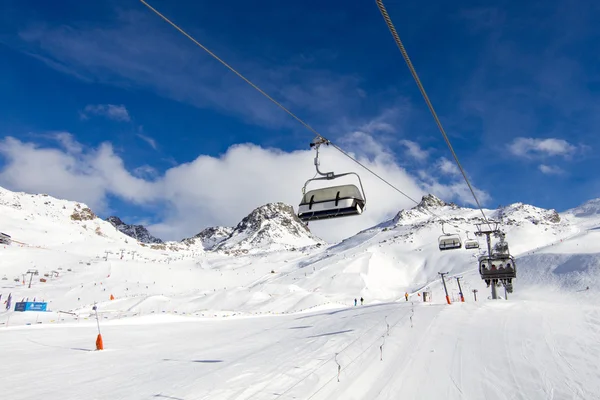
[355, 301]
[361, 301]
[406, 296]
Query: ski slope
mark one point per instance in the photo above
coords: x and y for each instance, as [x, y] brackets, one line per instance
[186, 323]
[531, 347]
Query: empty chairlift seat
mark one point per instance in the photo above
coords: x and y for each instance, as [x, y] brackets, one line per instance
[449, 242]
[471, 244]
[331, 202]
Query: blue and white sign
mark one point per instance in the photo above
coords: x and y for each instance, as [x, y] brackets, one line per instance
[30, 306]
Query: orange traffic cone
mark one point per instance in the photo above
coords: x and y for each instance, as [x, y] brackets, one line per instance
[99, 344]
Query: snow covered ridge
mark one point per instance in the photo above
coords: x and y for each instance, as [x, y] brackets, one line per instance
[518, 213]
[587, 209]
[513, 214]
[209, 237]
[138, 232]
[271, 227]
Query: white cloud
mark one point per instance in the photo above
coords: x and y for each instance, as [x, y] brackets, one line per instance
[148, 140]
[551, 169]
[414, 150]
[110, 111]
[71, 173]
[209, 190]
[525, 147]
[68, 142]
[456, 189]
[145, 171]
[365, 144]
[447, 167]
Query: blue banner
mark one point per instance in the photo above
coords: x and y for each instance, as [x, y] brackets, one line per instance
[30, 306]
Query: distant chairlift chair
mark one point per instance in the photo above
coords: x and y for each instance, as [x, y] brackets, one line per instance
[471, 243]
[449, 241]
[330, 202]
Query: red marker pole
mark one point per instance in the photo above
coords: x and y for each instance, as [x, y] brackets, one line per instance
[462, 298]
[99, 343]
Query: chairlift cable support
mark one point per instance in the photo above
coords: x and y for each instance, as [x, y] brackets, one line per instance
[307, 126]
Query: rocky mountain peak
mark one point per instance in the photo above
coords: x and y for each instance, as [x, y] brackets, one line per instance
[271, 226]
[210, 237]
[282, 212]
[115, 221]
[431, 201]
[138, 232]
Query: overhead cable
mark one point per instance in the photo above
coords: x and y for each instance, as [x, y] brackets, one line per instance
[289, 112]
[396, 37]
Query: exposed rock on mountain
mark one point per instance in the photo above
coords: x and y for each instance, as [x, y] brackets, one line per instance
[138, 232]
[209, 237]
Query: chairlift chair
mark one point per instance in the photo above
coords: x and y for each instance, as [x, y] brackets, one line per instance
[498, 268]
[449, 241]
[471, 243]
[330, 202]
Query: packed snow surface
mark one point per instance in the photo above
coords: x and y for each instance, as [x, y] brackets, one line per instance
[266, 310]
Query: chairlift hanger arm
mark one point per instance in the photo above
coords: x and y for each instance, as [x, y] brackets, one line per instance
[327, 175]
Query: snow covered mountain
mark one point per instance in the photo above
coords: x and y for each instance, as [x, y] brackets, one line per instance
[39, 220]
[274, 226]
[587, 209]
[209, 237]
[270, 260]
[138, 232]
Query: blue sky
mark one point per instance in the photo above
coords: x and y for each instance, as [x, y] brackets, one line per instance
[106, 103]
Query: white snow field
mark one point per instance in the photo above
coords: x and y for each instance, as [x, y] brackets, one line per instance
[265, 318]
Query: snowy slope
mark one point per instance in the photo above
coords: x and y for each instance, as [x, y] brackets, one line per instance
[530, 347]
[571, 264]
[46, 222]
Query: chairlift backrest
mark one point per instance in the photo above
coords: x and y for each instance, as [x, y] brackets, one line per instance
[471, 244]
[497, 267]
[332, 193]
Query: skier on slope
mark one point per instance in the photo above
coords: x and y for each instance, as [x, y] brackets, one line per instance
[406, 296]
[361, 301]
[354, 302]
